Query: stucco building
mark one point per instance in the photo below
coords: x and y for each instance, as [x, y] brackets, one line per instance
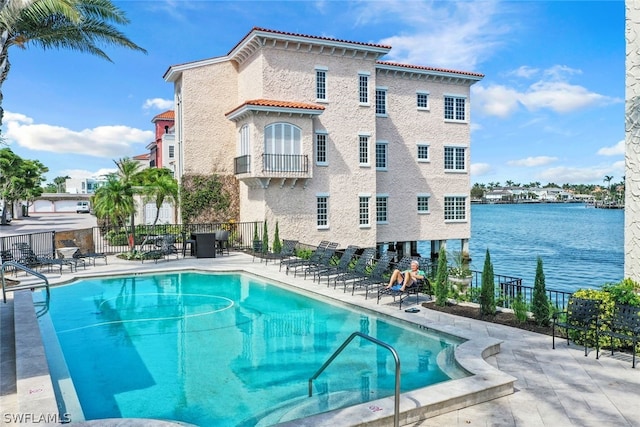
[329, 140]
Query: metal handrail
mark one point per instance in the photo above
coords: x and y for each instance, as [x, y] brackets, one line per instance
[26, 269]
[396, 409]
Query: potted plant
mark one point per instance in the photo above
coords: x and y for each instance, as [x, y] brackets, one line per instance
[460, 275]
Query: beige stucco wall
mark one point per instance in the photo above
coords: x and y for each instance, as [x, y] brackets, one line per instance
[632, 143]
[209, 139]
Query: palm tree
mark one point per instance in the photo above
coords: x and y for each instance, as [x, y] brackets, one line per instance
[128, 169]
[111, 202]
[81, 25]
[158, 186]
[59, 181]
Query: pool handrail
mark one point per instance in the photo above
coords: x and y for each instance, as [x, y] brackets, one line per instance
[396, 409]
[27, 270]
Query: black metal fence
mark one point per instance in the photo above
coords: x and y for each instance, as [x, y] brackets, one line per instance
[113, 240]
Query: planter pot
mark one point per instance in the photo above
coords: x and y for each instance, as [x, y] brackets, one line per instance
[461, 284]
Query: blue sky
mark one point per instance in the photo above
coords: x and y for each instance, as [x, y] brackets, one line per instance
[549, 109]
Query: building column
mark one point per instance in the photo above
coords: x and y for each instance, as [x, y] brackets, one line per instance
[632, 142]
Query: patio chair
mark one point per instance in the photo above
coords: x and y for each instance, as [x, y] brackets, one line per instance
[287, 252]
[358, 271]
[222, 240]
[625, 326]
[29, 259]
[165, 247]
[376, 276]
[323, 259]
[315, 256]
[90, 256]
[582, 315]
[421, 285]
[341, 267]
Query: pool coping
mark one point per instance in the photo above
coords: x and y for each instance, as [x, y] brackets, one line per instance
[486, 382]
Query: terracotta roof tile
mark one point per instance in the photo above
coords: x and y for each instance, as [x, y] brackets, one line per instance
[285, 33]
[144, 156]
[421, 67]
[278, 104]
[167, 115]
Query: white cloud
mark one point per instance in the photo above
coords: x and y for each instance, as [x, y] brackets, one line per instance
[456, 35]
[615, 150]
[553, 92]
[102, 141]
[481, 169]
[158, 104]
[586, 175]
[83, 173]
[532, 161]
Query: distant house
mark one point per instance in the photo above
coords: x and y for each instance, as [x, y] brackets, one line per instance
[498, 195]
[84, 185]
[162, 151]
[330, 141]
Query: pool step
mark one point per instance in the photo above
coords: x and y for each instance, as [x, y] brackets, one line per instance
[305, 406]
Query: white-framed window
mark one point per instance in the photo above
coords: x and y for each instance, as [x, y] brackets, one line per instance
[454, 108]
[321, 148]
[454, 159]
[423, 203]
[381, 208]
[422, 100]
[363, 150]
[244, 141]
[282, 148]
[422, 153]
[363, 88]
[381, 101]
[363, 210]
[381, 155]
[455, 208]
[172, 151]
[322, 210]
[321, 83]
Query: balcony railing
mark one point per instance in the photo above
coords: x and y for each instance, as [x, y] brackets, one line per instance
[285, 163]
[242, 164]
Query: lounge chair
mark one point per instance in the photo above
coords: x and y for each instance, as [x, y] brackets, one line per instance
[376, 276]
[323, 260]
[287, 251]
[315, 256]
[358, 271]
[165, 246]
[84, 256]
[421, 285]
[341, 267]
[29, 259]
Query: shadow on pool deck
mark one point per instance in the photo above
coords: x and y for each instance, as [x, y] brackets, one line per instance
[552, 387]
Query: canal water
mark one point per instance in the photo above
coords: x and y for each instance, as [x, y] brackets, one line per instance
[580, 247]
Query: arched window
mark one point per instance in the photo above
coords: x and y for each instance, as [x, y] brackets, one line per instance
[282, 147]
[244, 141]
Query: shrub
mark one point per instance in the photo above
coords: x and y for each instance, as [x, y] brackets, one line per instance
[441, 283]
[277, 244]
[625, 292]
[540, 301]
[487, 289]
[519, 307]
[265, 238]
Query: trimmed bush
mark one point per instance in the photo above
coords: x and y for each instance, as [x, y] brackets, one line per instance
[488, 288]
[442, 282]
[540, 302]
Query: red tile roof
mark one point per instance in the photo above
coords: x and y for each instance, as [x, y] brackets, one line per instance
[421, 67]
[284, 33]
[167, 115]
[145, 156]
[278, 104]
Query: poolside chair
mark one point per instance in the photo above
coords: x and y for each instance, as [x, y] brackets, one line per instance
[421, 285]
[341, 267]
[358, 271]
[29, 259]
[323, 259]
[583, 316]
[376, 276]
[287, 252]
[222, 240]
[315, 256]
[165, 247]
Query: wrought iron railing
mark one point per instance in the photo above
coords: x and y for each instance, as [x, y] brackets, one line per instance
[285, 163]
[242, 164]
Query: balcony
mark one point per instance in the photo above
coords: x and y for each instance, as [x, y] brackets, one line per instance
[286, 169]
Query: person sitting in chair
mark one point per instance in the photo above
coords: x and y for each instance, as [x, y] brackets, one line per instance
[401, 280]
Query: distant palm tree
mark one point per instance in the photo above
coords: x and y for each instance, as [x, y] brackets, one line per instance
[111, 201]
[60, 181]
[158, 186]
[81, 25]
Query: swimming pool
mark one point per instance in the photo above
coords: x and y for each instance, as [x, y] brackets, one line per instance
[228, 349]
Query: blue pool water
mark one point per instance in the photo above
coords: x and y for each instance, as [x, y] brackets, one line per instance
[227, 349]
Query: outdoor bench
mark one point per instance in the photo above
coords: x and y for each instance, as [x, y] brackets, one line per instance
[582, 315]
[625, 325]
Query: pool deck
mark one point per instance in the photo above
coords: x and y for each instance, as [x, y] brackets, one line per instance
[552, 387]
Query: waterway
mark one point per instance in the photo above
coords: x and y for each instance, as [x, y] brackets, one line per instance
[580, 247]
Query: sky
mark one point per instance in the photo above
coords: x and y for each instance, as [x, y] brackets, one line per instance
[550, 108]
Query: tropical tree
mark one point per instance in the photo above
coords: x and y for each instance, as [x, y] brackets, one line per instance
[111, 202]
[18, 179]
[80, 25]
[60, 182]
[158, 186]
